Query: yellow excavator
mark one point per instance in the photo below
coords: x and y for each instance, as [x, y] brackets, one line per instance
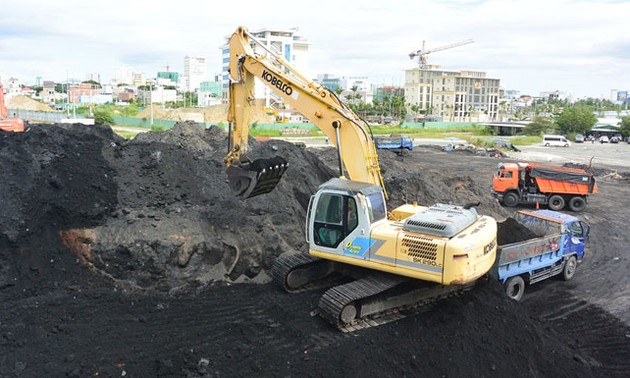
[376, 264]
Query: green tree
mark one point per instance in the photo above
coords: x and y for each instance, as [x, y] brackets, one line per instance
[577, 119]
[539, 125]
[95, 84]
[624, 128]
[415, 108]
[102, 117]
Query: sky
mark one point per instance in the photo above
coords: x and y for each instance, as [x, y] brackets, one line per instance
[578, 47]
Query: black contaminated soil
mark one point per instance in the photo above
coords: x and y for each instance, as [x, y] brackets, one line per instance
[133, 258]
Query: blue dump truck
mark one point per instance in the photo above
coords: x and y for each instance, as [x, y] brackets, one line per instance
[393, 143]
[536, 245]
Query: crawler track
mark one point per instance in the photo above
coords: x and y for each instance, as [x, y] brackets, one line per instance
[301, 272]
[379, 299]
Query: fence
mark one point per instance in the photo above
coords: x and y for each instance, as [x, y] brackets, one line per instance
[285, 128]
[32, 115]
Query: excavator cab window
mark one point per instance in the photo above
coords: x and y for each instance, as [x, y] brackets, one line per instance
[335, 217]
[376, 207]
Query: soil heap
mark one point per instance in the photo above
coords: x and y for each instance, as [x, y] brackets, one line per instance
[27, 103]
[132, 257]
[211, 113]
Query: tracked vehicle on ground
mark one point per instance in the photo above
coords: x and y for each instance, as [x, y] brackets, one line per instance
[376, 264]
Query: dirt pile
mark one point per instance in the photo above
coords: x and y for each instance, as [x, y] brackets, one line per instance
[27, 103]
[157, 202]
[130, 257]
[211, 114]
[511, 231]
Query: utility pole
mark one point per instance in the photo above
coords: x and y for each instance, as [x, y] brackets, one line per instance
[151, 101]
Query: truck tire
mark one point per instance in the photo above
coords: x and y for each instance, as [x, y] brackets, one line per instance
[556, 202]
[569, 268]
[515, 287]
[510, 199]
[577, 203]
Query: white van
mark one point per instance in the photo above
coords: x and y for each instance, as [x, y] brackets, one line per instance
[555, 140]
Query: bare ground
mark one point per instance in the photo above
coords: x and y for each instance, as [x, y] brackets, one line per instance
[132, 258]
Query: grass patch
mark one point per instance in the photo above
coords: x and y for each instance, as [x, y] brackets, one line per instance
[526, 140]
[265, 133]
[126, 134]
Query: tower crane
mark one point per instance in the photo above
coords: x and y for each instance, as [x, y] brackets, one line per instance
[422, 54]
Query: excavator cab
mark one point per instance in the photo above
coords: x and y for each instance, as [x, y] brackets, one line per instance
[251, 178]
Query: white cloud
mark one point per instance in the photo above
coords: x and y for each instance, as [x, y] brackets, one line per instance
[574, 46]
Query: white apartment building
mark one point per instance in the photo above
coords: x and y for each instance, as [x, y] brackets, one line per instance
[127, 75]
[94, 76]
[194, 72]
[455, 96]
[157, 95]
[12, 87]
[362, 83]
[554, 95]
[288, 43]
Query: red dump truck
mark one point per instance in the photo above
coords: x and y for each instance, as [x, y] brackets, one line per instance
[537, 184]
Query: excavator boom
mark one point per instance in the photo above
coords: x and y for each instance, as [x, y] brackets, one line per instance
[349, 133]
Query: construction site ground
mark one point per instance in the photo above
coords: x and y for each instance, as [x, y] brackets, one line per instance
[133, 258]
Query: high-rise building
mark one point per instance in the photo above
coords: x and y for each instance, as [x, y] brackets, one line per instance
[288, 43]
[169, 76]
[126, 75]
[93, 76]
[456, 96]
[194, 72]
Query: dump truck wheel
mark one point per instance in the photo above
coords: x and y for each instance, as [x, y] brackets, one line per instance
[577, 204]
[569, 268]
[510, 199]
[515, 287]
[556, 202]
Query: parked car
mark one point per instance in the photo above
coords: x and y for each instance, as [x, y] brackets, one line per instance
[555, 140]
[579, 138]
[614, 139]
[603, 139]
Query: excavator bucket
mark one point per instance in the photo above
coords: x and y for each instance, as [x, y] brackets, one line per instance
[258, 177]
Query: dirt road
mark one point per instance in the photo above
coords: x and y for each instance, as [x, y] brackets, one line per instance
[607, 154]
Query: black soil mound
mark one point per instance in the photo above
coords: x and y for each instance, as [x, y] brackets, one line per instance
[510, 231]
[129, 257]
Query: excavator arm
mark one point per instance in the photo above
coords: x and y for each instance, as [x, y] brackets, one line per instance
[347, 131]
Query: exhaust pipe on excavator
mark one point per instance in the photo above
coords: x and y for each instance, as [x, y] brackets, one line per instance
[250, 179]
